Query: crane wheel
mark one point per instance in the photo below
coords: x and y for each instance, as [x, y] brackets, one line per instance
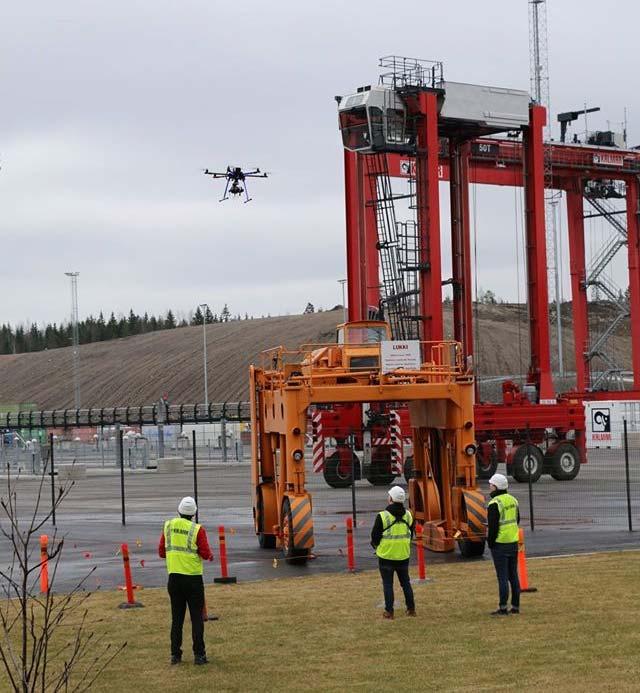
[565, 462]
[527, 459]
[486, 468]
[338, 468]
[291, 554]
[265, 541]
[380, 473]
[409, 472]
[471, 549]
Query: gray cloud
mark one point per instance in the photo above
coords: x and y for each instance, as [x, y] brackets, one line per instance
[110, 111]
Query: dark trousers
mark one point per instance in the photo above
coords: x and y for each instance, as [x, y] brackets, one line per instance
[387, 569]
[186, 590]
[505, 559]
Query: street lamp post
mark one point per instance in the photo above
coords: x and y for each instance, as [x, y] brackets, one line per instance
[344, 303]
[75, 337]
[205, 308]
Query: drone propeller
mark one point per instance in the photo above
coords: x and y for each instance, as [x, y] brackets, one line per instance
[215, 174]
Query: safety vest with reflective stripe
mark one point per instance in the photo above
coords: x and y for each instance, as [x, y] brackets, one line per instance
[395, 544]
[180, 543]
[508, 509]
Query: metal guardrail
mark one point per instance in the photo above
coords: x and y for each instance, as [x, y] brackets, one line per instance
[149, 415]
[439, 358]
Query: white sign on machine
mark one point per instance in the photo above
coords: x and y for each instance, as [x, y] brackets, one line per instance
[396, 355]
[604, 422]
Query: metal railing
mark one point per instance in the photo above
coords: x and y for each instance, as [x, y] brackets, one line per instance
[441, 362]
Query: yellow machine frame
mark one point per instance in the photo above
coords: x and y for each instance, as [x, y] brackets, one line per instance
[442, 494]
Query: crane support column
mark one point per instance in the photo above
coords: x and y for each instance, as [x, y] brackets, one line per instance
[428, 202]
[363, 287]
[633, 243]
[537, 290]
[461, 244]
[354, 201]
[575, 227]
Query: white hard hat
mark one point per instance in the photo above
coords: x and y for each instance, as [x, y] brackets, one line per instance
[187, 506]
[499, 481]
[397, 494]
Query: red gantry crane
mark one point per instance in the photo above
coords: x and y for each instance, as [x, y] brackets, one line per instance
[418, 126]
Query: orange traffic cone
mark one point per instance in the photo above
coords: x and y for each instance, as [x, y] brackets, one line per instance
[522, 565]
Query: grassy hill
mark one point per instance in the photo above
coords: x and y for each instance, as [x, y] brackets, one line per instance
[138, 370]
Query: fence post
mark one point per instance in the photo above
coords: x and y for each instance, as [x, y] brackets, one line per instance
[121, 448]
[351, 557]
[528, 458]
[53, 482]
[626, 472]
[195, 470]
[223, 438]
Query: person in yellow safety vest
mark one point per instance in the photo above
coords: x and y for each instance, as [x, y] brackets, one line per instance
[184, 544]
[503, 516]
[391, 538]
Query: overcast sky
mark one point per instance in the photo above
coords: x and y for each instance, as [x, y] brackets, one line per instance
[109, 111]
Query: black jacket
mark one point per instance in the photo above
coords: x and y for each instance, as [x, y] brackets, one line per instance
[493, 520]
[397, 510]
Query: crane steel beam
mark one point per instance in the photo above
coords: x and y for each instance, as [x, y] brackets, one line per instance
[538, 295]
[633, 246]
[461, 246]
[428, 212]
[577, 261]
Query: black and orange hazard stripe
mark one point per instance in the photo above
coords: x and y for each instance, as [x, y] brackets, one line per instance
[302, 522]
[476, 511]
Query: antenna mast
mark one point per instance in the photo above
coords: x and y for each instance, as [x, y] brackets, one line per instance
[539, 78]
[75, 337]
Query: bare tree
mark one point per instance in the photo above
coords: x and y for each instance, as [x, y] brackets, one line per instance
[45, 644]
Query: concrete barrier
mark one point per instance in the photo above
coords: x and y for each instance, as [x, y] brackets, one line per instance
[71, 472]
[170, 464]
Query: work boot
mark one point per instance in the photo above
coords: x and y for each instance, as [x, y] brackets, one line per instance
[387, 614]
[411, 612]
[176, 659]
[515, 609]
[500, 612]
[201, 659]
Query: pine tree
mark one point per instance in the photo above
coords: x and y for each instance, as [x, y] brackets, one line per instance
[197, 317]
[208, 316]
[170, 321]
[133, 322]
[225, 315]
[112, 327]
[101, 328]
[123, 327]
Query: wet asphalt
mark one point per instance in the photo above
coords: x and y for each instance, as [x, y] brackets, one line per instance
[584, 515]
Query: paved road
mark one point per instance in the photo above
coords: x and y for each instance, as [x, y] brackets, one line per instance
[587, 514]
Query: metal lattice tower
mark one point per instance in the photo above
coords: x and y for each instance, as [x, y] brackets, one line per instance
[75, 337]
[539, 78]
[611, 376]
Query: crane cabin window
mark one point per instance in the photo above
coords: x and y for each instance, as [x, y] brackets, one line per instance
[395, 126]
[355, 129]
[369, 334]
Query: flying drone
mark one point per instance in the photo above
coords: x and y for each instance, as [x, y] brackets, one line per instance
[236, 180]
